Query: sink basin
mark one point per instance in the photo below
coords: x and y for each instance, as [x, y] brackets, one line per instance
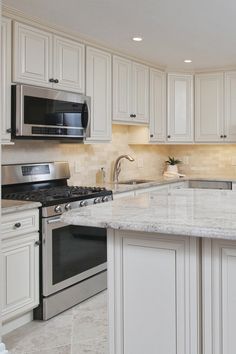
[135, 181]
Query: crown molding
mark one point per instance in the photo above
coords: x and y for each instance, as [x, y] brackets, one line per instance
[17, 15]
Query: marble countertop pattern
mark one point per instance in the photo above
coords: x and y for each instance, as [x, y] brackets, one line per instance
[190, 212]
[12, 206]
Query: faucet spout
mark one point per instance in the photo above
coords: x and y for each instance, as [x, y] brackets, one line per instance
[117, 166]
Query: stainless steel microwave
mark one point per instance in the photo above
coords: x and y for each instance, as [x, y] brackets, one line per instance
[41, 113]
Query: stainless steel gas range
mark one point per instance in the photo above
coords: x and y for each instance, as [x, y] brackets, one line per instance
[73, 258]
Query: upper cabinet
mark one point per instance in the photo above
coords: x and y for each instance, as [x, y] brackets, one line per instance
[209, 103]
[180, 108]
[45, 60]
[5, 80]
[98, 86]
[230, 107]
[157, 127]
[130, 92]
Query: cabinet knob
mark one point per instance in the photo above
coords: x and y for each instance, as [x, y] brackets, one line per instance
[131, 115]
[51, 80]
[225, 136]
[37, 243]
[56, 81]
[168, 136]
[17, 225]
[151, 135]
[8, 130]
[222, 136]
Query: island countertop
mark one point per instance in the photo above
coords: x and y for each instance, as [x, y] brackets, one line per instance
[190, 212]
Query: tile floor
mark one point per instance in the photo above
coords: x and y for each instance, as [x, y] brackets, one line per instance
[80, 330]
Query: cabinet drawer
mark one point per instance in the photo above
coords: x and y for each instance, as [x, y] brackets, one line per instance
[20, 223]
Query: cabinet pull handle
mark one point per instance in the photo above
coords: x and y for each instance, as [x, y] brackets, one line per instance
[51, 80]
[131, 115]
[17, 225]
[134, 115]
[168, 136]
[37, 243]
[56, 81]
[8, 130]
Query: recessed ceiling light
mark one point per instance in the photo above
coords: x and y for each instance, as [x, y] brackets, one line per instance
[137, 39]
[187, 61]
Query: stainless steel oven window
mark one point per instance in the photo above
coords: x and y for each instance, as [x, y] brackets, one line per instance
[50, 226]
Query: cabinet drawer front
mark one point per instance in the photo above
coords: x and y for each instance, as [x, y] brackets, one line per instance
[20, 223]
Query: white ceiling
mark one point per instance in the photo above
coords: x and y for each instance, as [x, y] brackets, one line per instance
[173, 30]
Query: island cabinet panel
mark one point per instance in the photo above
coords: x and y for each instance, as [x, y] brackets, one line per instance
[153, 292]
[219, 296]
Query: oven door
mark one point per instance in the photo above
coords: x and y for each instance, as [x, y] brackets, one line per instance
[71, 254]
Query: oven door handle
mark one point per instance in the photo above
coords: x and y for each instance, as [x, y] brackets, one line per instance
[53, 221]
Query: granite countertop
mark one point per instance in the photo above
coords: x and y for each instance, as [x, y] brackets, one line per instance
[12, 206]
[122, 188]
[190, 212]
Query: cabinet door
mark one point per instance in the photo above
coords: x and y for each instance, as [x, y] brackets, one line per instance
[122, 71]
[20, 267]
[98, 83]
[230, 107]
[140, 93]
[32, 56]
[180, 108]
[5, 80]
[153, 292]
[69, 65]
[209, 100]
[219, 296]
[157, 106]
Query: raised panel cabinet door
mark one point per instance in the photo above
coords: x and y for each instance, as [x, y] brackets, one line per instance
[69, 65]
[157, 124]
[180, 108]
[140, 93]
[230, 107]
[5, 80]
[20, 267]
[98, 84]
[209, 102]
[32, 55]
[153, 293]
[122, 72]
[219, 296]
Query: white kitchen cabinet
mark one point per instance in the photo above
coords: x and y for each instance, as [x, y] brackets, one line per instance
[230, 107]
[5, 80]
[219, 296]
[20, 263]
[153, 293]
[180, 108]
[157, 124]
[98, 86]
[209, 111]
[130, 92]
[43, 59]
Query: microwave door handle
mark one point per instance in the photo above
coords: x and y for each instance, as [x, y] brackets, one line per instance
[86, 120]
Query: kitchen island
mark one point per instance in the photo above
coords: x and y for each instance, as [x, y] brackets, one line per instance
[171, 270]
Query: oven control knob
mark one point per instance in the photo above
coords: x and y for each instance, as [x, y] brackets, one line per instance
[58, 209]
[97, 200]
[105, 199]
[68, 207]
[84, 203]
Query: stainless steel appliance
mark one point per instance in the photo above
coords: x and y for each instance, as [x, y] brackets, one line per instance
[41, 113]
[73, 258]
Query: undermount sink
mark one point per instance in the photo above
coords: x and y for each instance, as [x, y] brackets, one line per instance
[135, 181]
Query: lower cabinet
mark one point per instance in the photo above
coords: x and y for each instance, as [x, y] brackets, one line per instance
[20, 265]
[153, 292]
[219, 296]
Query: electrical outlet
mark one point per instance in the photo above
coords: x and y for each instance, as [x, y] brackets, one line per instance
[77, 167]
[233, 160]
[140, 163]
